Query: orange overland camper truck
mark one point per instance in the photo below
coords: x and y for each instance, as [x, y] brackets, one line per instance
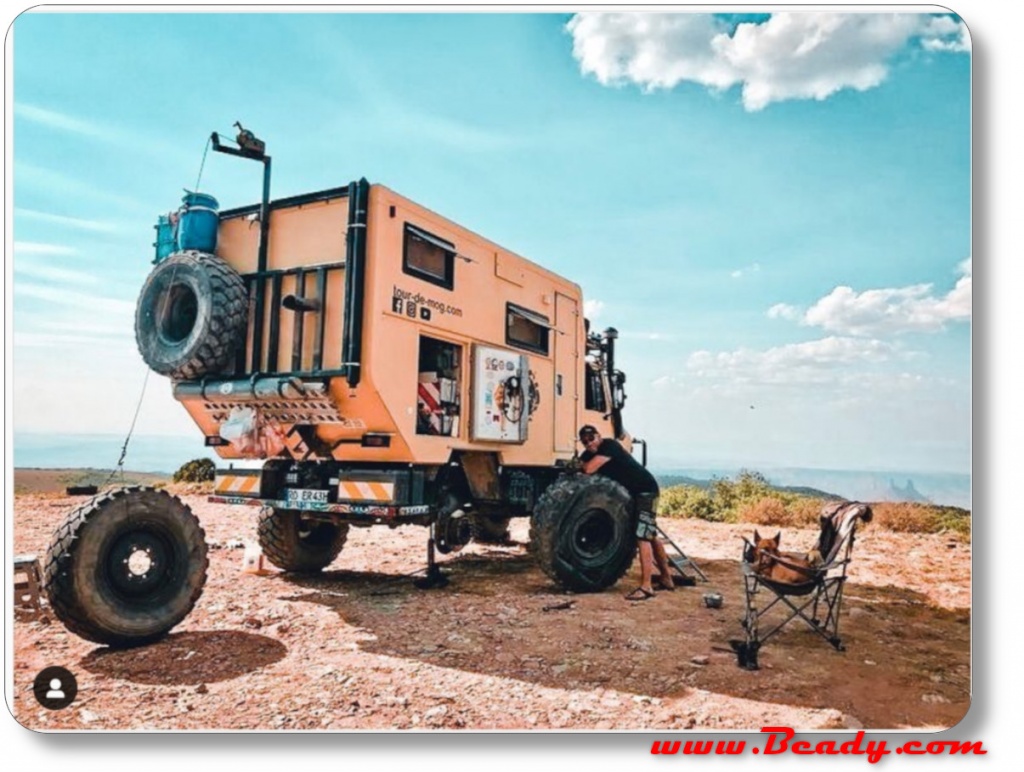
[387, 366]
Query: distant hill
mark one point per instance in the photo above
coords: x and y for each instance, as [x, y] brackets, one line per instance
[907, 493]
[941, 488]
[151, 453]
[36, 481]
[146, 453]
[668, 480]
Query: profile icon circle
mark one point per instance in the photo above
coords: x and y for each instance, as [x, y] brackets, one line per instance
[55, 687]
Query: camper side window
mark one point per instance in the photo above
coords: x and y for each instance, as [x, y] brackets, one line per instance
[526, 329]
[427, 257]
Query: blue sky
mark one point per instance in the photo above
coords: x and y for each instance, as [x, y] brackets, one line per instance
[774, 210]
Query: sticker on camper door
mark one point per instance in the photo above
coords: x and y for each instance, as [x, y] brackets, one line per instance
[501, 395]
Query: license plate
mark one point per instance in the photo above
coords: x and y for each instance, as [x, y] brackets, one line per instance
[306, 494]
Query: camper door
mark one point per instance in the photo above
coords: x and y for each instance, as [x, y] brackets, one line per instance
[501, 395]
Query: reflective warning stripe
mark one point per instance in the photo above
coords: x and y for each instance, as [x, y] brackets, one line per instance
[430, 392]
[366, 491]
[237, 484]
[430, 395]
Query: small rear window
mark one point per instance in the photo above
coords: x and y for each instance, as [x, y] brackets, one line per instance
[428, 257]
[526, 329]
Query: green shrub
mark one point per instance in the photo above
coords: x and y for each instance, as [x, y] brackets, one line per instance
[954, 519]
[750, 498]
[195, 471]
[688, 501]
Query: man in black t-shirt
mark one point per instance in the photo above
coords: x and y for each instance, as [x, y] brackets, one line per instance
[608, 457]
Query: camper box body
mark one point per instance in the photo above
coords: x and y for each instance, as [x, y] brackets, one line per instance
[431, 346]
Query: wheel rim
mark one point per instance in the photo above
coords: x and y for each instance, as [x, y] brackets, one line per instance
[177, 314]
[593, 532]
[313, 534]
[139, 566]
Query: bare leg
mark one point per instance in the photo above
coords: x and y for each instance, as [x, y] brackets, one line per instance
[664, 567]
[646, 565]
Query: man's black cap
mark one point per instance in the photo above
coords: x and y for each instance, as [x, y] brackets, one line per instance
[587, 432]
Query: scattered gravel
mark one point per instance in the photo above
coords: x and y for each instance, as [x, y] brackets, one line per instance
[503, 648]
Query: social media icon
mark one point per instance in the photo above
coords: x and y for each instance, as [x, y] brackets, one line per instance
[55, 687]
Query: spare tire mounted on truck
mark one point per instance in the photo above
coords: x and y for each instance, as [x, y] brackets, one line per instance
[191, 316]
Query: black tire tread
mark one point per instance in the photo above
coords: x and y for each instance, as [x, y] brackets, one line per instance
[547, 513]
[57, 578]
[228, 321]
[282, 548]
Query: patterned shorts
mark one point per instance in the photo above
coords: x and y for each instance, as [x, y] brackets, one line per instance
[646, 529]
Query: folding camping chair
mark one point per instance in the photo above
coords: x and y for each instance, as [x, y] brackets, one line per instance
[823, 587]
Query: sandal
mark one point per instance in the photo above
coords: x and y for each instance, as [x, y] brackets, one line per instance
[661, 584]
[640, 594]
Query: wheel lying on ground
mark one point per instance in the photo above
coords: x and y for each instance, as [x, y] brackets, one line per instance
[490, 529]
[298, 545]
[191, 317]
[583, 532]
[126, 567]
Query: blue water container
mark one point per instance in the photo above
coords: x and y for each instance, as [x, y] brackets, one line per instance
[197, 227]
[166, 241]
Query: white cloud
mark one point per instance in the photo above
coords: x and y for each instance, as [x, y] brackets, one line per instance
[784, 311]
[40, 248]
[126, 139]
[886, 311]
[52, 273]
[946, 34]
[814, 361]
[74, 299]
[60, 186]
[96, 226]
[740, 272]
[641, 335]
[61, 340]
[891, 311]
[85, 328]
[666, 382]
[592, 308]
[798, 55]
[62, 121]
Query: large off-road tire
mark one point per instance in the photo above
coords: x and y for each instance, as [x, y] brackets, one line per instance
[489, 529]
[297, 545]
[192, 316]
[126, 567]
[583, 532]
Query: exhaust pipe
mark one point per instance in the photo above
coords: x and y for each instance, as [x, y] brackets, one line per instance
[300, 304]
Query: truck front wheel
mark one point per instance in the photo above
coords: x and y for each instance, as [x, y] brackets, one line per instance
[299, 545]
[126, 567]
[583, 532]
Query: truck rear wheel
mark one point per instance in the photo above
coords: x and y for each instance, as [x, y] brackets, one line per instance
[191, 317]
[126, 567]
[299, 545]
[583, 532]
[490, 529]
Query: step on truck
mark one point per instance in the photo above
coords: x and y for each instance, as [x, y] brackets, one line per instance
[355, 360]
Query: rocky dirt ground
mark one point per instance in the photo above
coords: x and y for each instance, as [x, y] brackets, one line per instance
[502, 648]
